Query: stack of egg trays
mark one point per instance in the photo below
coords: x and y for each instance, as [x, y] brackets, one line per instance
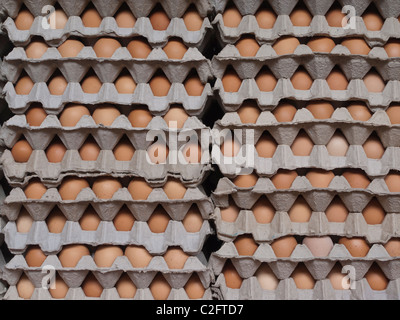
[18, 175]
[318, 65]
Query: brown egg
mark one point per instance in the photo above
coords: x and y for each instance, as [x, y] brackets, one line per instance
[301, 80]
[265, 17]
[232, 277]
[91, 18]
[57, 85]
[34, 256]
[374, 213]
[140, 117]
[139, 189]
[56, 221]
[320, 178]
[90, 150]
[359, 111]
[376, 278]
[125, 287]
[139, 48]
[175, 258]
[338, 145]
[35, 115]
[283, 179]
[192, 152]
[321, 44]
[284, 112]
[24, 19]
[175, 49]
[286, 45]
[70, 48]
[91, 286]
[193, 221]
[231, 17]
[231, 81]
[25, 287]
[373, 21]
[356, 178]
[266, 277]
[159, 287]
[176, 116]
[174, 189]
[105, 47]
[392, 180]
[158, 152]
[71, 186]
[194, 288]
[124, 220]
[357, 246]
[302, 145]
[230, 146]
[193, 85]
[105, 255]
[71, 254]
[24, 221]
[266, 145]
[245, 180]
[231, 212]
[125, 84]
[336, 211]
[105, 187]
[60, 289]
[393, 113]
[72, 113]
[356, 46]
[335, 16]
[337, 278]
[319, 246]
[91, 84]
[124, 150]
[337, 80]
[374, 82]
[24, 85]
[263, 210]
[57, 19]
[159, 19]
[302, 277]
[36, 49]
[125, 18]
[249, 112]
[300, 16]
[90, 220]
[159, 220]
[105, 114]
[320, 109]
[55, 151]
[247, 46]
[284, 246]
[392, 48]
[393, 247]
[245, 245]
[266, 80]
[138, 256]
[34, 190]
[192, 19]
[373, 147]
[160, 84]
[21, 151]
[300, 211]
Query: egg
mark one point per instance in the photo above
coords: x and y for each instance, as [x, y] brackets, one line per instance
[245, 245]
[24, 85]
[230, 213]
[24, 19]
[302, 277]
[284, 246]
[359, 111]
[266, 145]
[265, 17]
[21, 151]
[71, 254]
[249, 112]
[192, 152]
[302, 145]
[374, 213]
[194, 288]
[300, 211]
[392, 48]
[356, 246]
[90, 220]
[125, 287]
[193, 221]
[125, 84]
[105, 114]
[320, 178]
[158, 152]
[392, 247]
[91, 84]
[284, 112]
[321, 44]
[56, 221]
[139, 189]
[124, 150]
[336, 211]
[90, 150]
[266, 80]
[34, 256]
[373, 147]
[91, 287]
[247, 46]
[138, 256]
[57, 85]
[283, 179]
[232, 277]
[338, 280]
[373, 21]
[336, 80]
[140, 117]
[338, 145]
[24, 221]
[192, 19]
[392, 181]
[35, 189]
[356, 178]
[374, 82]
[356, 46]
[159, 220]
[105, 47]
[139, 48]
[72, 113]
[230, 147]
[57, 19]
[193, 85]
[160, 84]
[60, 289]
[105, 255]
[231, 81]
[91, 18]
[159, 287]
[300, 16]
[335, 16]
[175, 49]
[55, 151]
[245, 180]
[159, 19]
[25, 287]
[174, 189]
[175, 258]
[176, 117]
[36, 49]
[286, 45]
[393, 113]
[35, 115]
[263, 210]
[266, 278]
[105, 187]
[376, 278]
[125, 18]
[301, 80]
[71, 186]
[231, 17]
[124, 220]
[319, 246]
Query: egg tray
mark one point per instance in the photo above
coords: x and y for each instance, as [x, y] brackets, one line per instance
[107, 69]
[156, 243]
[318, 64]
[287, 290]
